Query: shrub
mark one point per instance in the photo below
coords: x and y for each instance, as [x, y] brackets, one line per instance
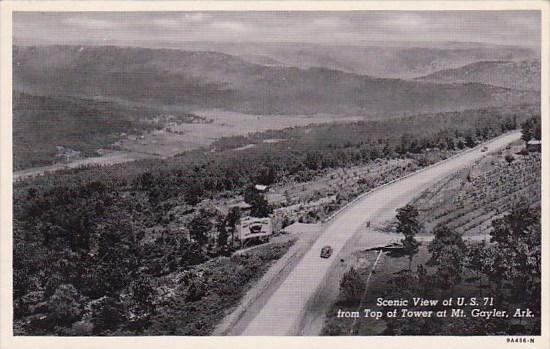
[509, 158]
[352, 285]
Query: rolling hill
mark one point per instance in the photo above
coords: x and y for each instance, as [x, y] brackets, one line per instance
[388, 60]
[523, 75]
[204, 80]
[42, 123]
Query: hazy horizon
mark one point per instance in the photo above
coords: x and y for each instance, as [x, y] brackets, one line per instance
[359, 28]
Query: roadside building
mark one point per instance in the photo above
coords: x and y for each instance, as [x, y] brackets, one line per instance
[261, 188]
[534, 145]
[253, 228]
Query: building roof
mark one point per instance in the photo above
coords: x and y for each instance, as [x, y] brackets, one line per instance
[260, 187]
[534, 142]
[242, 205]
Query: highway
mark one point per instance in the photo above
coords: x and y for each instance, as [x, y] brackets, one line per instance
[284, 312]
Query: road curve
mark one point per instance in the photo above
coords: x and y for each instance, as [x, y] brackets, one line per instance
[283, 313]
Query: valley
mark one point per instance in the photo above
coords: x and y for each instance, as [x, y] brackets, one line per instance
[247, 173]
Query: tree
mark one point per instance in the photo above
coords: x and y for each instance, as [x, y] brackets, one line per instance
[424, 280]
[448, 255]
[142, 294]
[195, 291]
[231, 220]
[514, 227]
[267, 176]
[518, 257]
[146, 180]
[222, 232]
[352, 285]
[65, 304]
[140, 303]
[107, 315]
[260, 206]
[193, 193]
[199, 226]
[475, 261]
[113, 266]
[469, 141]
[408, 225]
[531, 128]
[450, 143]
[250, 194]
[509, 158]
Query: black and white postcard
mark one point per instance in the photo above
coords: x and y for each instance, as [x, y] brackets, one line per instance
[249, 173]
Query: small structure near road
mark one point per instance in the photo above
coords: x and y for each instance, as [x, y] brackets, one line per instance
[534, 145]
[260, 188]
[255, 228]
[392, 246]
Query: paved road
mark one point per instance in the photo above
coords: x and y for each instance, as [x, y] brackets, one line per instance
[284, 312]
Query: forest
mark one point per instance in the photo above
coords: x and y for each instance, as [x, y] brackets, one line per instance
[92, 245]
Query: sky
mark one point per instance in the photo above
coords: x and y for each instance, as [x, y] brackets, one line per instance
[358, 27]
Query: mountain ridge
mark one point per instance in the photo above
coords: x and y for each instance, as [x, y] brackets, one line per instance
[206, 80]
[518, 75]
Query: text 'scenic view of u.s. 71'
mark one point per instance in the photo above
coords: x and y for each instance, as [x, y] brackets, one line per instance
[277, 173]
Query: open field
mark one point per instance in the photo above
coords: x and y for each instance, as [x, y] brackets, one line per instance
[175, 139]
[469, 200]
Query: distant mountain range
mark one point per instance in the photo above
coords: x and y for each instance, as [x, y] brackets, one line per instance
[523, 75]
[387, 60]
[207, 79]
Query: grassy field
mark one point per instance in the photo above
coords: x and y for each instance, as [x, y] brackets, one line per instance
[469, 200]
[182, 137]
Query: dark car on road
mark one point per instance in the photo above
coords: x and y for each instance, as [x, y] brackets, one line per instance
[326, 252]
